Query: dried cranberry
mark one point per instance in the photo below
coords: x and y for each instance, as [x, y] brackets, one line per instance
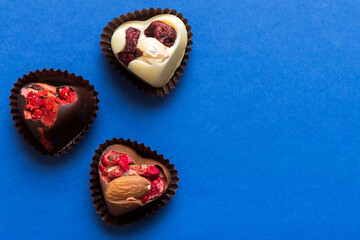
[130, 52]
[132, 37]
[164, 33]
[126, 57]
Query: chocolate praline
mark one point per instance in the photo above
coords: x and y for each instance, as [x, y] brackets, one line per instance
[55, 118]
[133, 184]
[129, 181]
[149, 47]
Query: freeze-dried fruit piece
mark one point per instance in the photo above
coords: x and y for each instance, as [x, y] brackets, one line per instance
[123, 162]
[163, 32]
[157, 188]
[152, 172]
[109, 159]
[43, 104]
[130, 53]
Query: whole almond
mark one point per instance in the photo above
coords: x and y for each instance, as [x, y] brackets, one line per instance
[126, 187]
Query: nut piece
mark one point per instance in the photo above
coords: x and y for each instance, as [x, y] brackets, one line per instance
[126, 187]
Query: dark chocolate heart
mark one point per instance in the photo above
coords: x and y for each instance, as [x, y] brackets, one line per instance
[56, 115]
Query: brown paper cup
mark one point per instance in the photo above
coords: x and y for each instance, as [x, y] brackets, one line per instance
[48, 76]
[145, 14]
[139, 213]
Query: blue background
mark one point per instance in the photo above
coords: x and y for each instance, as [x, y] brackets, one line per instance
[263, 126]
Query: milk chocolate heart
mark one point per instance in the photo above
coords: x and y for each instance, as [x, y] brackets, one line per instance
[129, 181]
[153, 49]
[56, 115]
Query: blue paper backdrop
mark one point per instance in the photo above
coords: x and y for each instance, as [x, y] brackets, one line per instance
[263, 126]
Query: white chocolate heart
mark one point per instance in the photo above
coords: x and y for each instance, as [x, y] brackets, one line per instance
[158, 63]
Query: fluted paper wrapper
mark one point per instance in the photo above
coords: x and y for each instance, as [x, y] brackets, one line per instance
[141, 212]
[49, 77]
[143, 15]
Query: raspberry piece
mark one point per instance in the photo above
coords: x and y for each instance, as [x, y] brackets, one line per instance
[134, 167]
[64, 92]
[164, 33]
[141, 171]
[123, 161]
[145, 198]
[34, 100]
[130, 52]
[48, 118]
[43, 140]
[157, 188]
[49, 105]
[105, 178]
[152, 173]
[36, 115]
[108, 157]
[67, 94]
[60, 101]
[117, 172]
[41, 93]
[159, 184]
[103, 170]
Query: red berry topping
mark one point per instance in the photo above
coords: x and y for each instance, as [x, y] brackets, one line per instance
[124, 162]
[43, 105]
[130, 53]
[157, 188]
[68, 95]
[103, 170]
[152, 172]
[164, 33]
[108, 159]
[43, 140]
[117, 172]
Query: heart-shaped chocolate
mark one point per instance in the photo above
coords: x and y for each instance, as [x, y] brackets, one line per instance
[129, 181]
[153, 49]
[56, 115]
